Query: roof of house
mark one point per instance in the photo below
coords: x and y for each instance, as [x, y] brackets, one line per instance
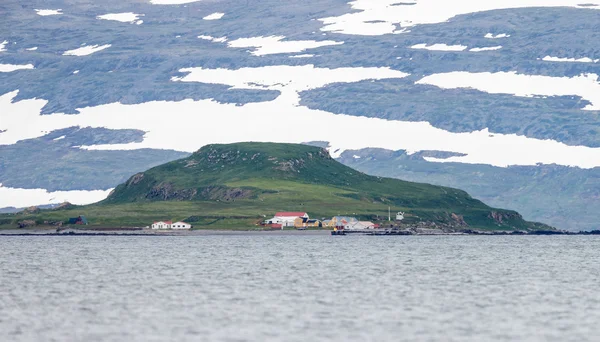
[345, 219]
[167, 222]
[312, 221]
[181, 222]
[290, 214]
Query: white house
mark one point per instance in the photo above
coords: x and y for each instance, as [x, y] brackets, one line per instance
[364, 225]
[181, 225]
[162, 225]
[286, 218]
[399, 216]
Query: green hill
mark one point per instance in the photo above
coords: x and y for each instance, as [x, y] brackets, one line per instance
[239, 185]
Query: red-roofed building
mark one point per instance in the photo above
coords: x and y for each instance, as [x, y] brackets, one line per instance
[287, 218]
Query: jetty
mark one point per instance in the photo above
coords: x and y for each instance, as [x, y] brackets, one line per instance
[376, 231]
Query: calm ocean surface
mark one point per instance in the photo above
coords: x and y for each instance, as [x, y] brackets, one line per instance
[300, 288]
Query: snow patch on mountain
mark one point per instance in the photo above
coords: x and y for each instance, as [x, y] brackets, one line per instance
[3, 46]
[308, 55]
[214, 16]
[585, 86]
[489, 48]
[32, 48]
[379, 17]
[213, 39]
[13, 67]
[498, 36]
[47, 12]
[14, 197]
[289, 80]
[570, 60]
[249, 122]
[275, 45]
[439, 47]
[128, 17]
[86, 50]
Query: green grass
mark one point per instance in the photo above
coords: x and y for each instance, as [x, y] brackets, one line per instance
[237, 186]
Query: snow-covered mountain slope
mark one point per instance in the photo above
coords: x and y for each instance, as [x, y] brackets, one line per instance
[491, 88]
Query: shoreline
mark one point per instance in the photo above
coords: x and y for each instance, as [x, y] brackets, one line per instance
[231, 232]
[146, 232]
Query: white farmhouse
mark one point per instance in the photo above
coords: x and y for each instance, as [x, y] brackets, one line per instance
[286, 218]
[162, 225]
[181, 225]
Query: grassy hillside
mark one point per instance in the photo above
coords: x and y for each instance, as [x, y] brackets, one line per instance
[238, 185]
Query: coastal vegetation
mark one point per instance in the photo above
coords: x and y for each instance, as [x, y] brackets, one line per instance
[239, 185]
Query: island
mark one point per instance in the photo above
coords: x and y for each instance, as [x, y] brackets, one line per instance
[242, 186]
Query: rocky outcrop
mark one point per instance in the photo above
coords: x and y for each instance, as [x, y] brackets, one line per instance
[501, 217]
[135, 179]
[32, 210]
[223, 193]
[290, 165]
[459, 220]
[168, 192]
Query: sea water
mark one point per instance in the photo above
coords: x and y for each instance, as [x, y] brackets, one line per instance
[300, 288]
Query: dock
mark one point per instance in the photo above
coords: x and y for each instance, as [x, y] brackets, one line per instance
[377, 231]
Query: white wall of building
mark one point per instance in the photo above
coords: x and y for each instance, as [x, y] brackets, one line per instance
[287, 221]
[161, 225]
[181, 225]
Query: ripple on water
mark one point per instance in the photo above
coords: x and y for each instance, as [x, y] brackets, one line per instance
[299, 288]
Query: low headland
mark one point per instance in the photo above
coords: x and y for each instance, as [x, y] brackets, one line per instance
[238, 187]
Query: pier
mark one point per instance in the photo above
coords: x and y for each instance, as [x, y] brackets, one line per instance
[377, 231]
